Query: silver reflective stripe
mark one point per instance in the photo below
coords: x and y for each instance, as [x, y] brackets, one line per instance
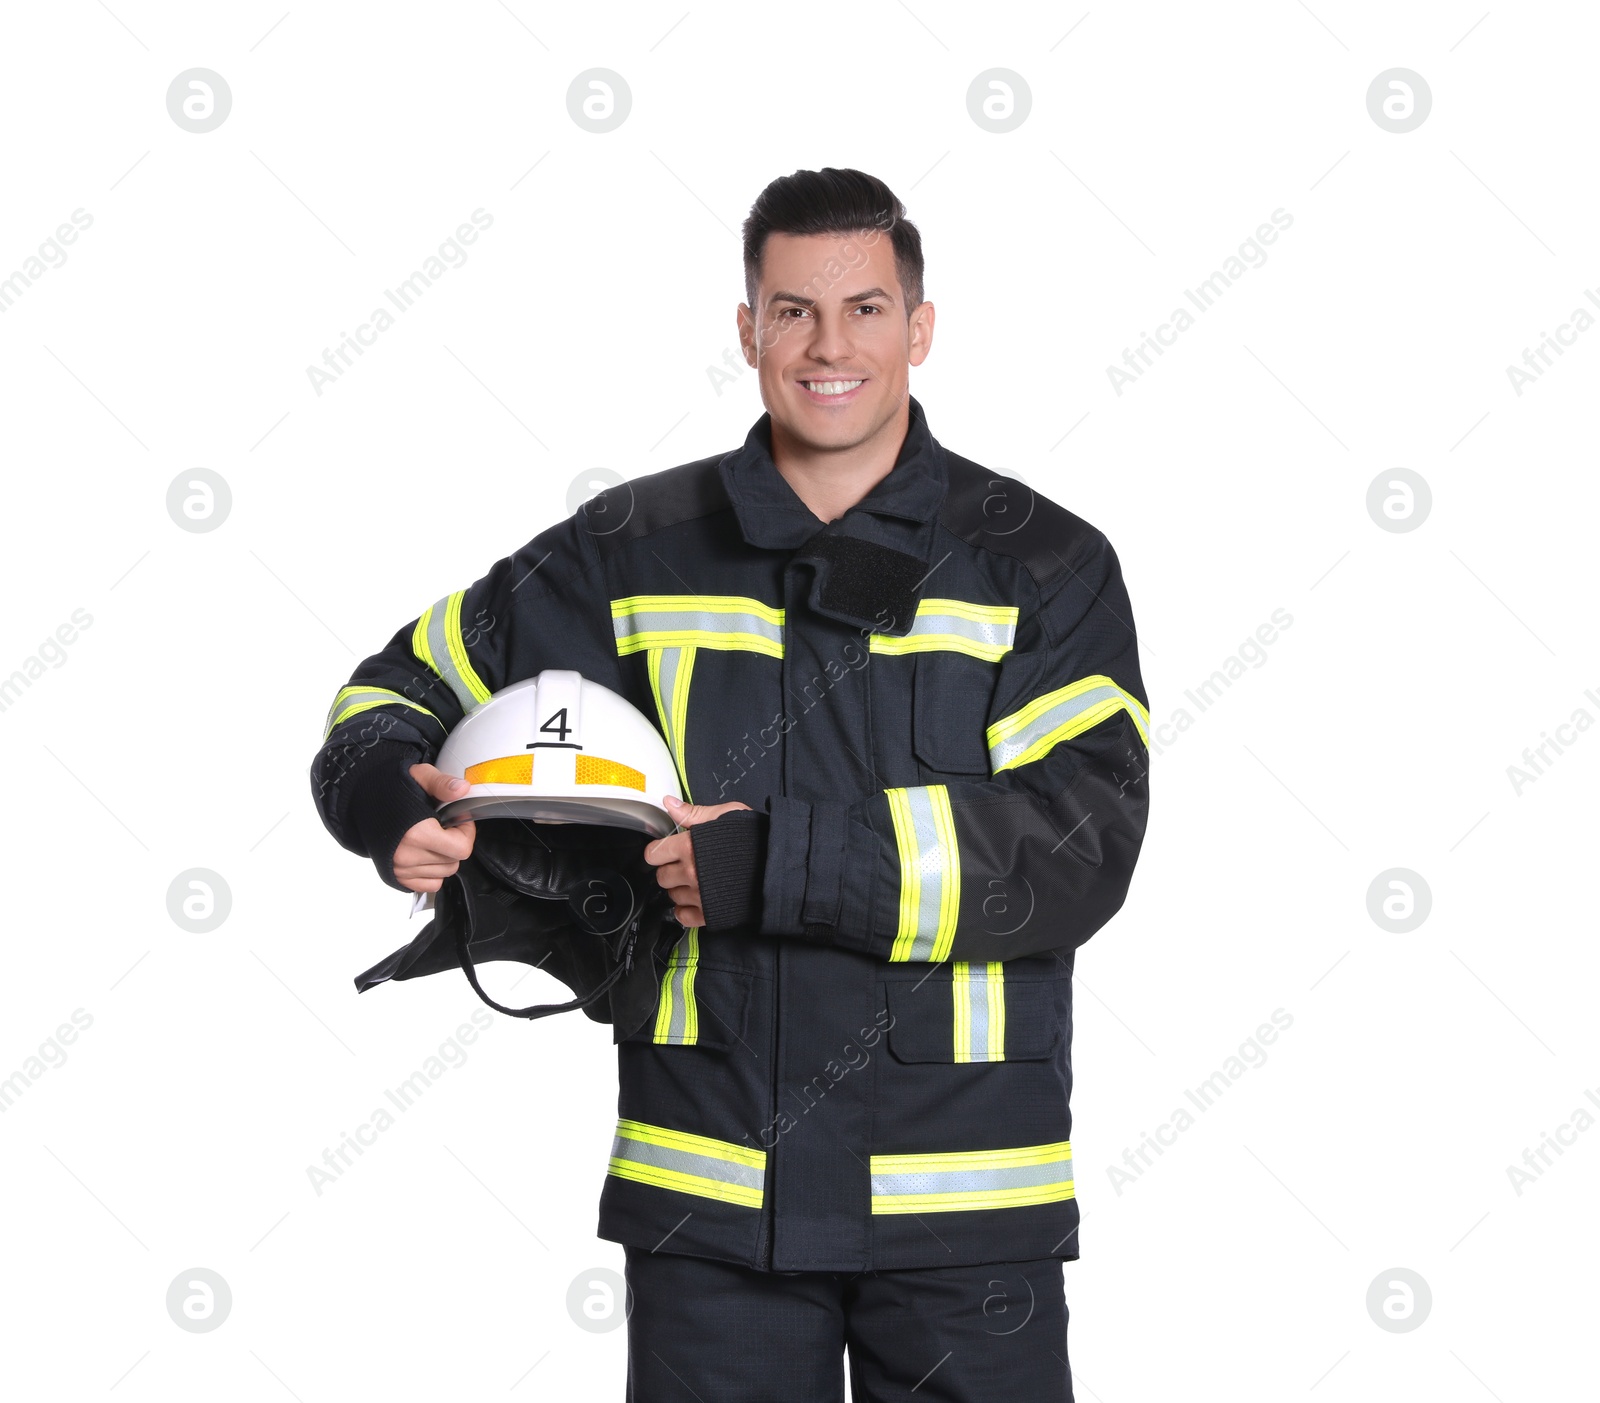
[685, 1162]
[351, 701]
[952, 625]
[972, 1180]
[704, 621]
[697, 621]
[693, 1164]
[930, 872]
[969, 1180]
[978, 993]
[670, 672]
[678, 1013]
[1031, 733]
[437, 640]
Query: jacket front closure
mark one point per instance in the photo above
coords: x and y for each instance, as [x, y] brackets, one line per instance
[817, 1206]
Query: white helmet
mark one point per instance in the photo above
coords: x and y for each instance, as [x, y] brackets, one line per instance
[558, 748]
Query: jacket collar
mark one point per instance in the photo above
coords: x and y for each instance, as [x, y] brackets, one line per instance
[773, 517]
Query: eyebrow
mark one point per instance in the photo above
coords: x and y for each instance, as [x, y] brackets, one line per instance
[866, 296]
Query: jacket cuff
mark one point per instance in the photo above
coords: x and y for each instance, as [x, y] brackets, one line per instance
[729, 856]
[783, 883]
[384, 803]
[803, 884]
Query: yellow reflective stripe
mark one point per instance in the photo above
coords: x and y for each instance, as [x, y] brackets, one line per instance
[1047, 721]
[718, 603]
[937, 643]
[697, 638]
[1003, 614]
[732, 622]
[692, 1144]
[691, 1164]
[930, 872]
[995, 988]
[353, 700]
[956, 1161]
[905, 839]
[458, 648]
[670, 672]
[1012, 1178]
[678, 1012]
[684, 1183]
[984, 631]
[950, 871]
[419, 639]
[972, 1198]
[960, 980]
[978, 1005]
[437, 641]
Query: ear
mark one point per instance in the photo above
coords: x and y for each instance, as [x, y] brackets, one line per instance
[921, 332]
[747, 334]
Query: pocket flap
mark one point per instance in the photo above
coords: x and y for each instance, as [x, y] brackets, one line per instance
[924, 1025]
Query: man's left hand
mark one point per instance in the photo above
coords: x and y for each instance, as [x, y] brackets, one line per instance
[673, 858]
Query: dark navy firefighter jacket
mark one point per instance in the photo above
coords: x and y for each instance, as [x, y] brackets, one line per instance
[933, 706]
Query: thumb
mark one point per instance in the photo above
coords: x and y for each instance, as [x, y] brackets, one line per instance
[437, 785]
[685, 815]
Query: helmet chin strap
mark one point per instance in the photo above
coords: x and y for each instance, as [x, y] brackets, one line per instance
[464, 932]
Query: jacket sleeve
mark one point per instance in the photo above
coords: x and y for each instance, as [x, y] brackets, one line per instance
[542, 606]
[1035, 858]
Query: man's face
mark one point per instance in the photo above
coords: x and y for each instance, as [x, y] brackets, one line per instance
[830, 337]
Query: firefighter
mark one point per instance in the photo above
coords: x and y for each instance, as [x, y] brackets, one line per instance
[902, 695]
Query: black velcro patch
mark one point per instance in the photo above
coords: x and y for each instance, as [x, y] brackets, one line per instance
[865, 582]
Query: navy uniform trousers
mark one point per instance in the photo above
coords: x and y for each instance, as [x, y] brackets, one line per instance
[704, 1331]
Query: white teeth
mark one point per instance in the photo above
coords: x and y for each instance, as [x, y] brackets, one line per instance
[831, 387]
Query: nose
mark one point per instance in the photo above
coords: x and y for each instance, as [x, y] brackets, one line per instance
[830, 339]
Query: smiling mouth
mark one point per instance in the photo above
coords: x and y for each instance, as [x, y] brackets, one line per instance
[832, 387]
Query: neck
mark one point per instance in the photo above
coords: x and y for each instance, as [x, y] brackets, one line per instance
[832, 480]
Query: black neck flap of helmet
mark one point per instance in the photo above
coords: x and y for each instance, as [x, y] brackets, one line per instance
[465, 928]
[597, 871]
[575, 900]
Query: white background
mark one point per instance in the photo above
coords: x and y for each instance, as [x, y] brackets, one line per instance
[1232, 478]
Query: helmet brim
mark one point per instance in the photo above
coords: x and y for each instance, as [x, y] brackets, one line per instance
[634, 814]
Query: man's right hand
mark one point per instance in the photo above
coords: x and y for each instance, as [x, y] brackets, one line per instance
[430, 852]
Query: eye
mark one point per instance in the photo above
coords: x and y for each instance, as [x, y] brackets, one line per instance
[869, 307]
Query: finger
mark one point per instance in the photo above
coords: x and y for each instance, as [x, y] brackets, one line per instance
[672, 848]
[675, 875]
[420, 884]
[454, 844]
[422, 868]
[438, 785]
[425, 857]
[445, 844]
[690, 916]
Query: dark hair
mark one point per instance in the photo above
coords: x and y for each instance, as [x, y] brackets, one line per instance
[832, 201]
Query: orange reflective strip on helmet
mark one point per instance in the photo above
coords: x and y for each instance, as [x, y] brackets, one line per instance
[591, 769]
[509, 769]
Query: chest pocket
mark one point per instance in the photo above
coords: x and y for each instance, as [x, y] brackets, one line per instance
[957, 646]
[950, 696]
[977, 1015]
